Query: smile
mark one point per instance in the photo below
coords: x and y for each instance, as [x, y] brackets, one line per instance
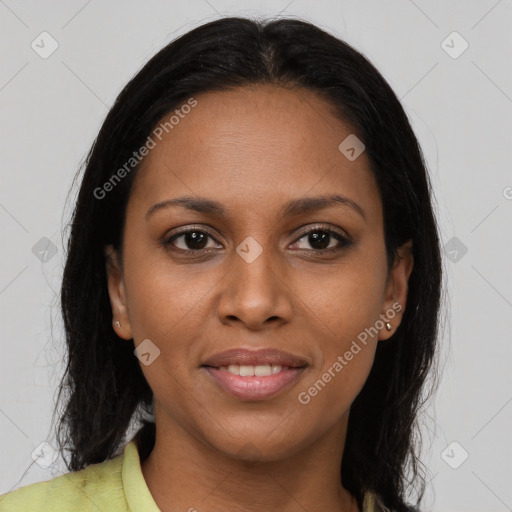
[260, 382]
[261, 370]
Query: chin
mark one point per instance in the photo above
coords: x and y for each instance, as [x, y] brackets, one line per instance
[258, 447]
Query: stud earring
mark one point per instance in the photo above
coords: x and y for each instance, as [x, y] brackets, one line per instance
[117, 323]
[389, 327]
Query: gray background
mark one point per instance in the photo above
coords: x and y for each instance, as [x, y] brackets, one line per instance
[460, 108]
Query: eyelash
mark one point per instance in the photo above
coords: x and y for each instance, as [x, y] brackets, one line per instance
[344, 240]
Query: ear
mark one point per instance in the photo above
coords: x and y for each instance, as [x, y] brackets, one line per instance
[116, 291]
[395, 297]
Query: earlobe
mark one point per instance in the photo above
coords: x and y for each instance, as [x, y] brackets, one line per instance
[117, 293]
[396, 290]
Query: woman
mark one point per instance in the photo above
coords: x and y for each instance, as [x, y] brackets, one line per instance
[255, 220]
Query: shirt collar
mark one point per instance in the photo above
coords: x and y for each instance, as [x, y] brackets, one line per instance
[135, 488]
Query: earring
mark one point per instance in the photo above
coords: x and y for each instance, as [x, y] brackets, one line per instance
[117, 323]
[389, 327]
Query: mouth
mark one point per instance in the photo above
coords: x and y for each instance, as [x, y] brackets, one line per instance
[260, 370]
[252, 387]
[254, 375]
[262, 357]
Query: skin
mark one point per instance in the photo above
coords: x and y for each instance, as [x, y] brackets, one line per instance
[253, 149]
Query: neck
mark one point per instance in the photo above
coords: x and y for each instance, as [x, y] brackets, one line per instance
[183, 473]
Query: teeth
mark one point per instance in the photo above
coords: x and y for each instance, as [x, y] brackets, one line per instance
[261, 370]
[276, 368]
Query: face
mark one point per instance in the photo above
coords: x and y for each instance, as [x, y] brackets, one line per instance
[254, 273]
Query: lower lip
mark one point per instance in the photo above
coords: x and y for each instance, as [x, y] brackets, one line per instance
[254, 388]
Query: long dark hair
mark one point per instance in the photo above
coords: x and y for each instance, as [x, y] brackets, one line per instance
[103, 385]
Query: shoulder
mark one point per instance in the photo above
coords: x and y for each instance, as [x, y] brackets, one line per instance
[373, 503]
[96, 487]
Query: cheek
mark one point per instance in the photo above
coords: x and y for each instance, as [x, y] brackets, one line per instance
[344, 323]
[342, 310]
[169, 306]
[163, 299]
[342, 301]
[341, 377]
[342, 319]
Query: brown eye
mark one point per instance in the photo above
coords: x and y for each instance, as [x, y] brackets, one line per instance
[192, 240]
[320, 239]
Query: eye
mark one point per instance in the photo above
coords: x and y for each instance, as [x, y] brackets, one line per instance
[320, 237]
[193, 240]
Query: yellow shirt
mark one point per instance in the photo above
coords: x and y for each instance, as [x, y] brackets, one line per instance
[114, 485]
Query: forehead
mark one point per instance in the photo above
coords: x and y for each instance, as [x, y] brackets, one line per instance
[255, 147]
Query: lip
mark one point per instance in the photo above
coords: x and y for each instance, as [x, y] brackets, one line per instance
[255, 388]
[246, 357]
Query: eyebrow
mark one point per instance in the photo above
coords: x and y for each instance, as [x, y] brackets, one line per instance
[292, 208]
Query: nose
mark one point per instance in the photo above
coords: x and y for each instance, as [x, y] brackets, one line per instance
[255, 293]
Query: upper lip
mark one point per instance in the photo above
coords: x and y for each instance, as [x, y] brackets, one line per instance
[246, 357]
